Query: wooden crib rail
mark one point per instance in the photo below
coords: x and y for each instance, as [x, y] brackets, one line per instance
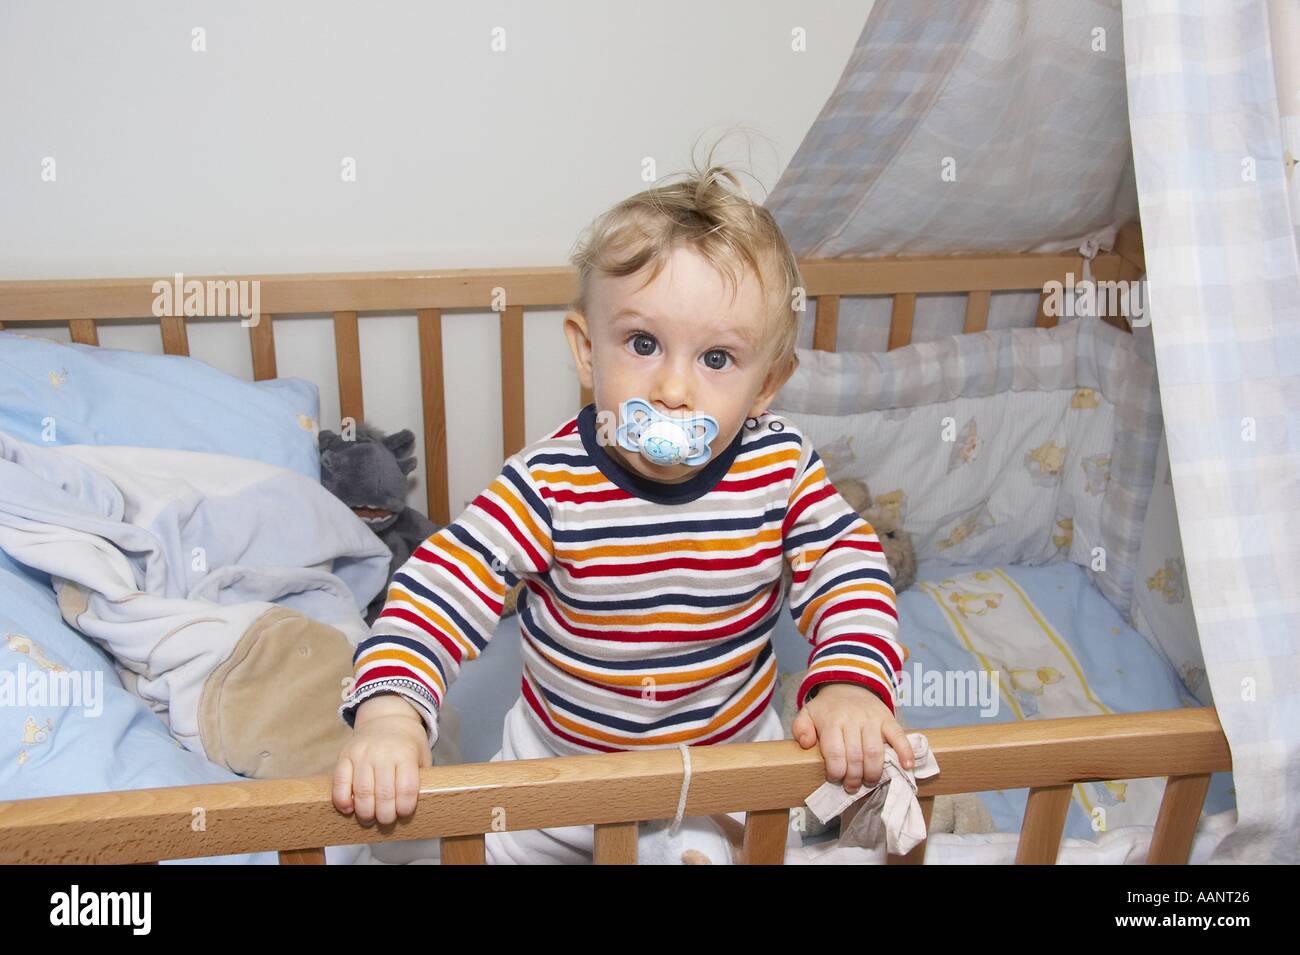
[508, 293]
[461, 803]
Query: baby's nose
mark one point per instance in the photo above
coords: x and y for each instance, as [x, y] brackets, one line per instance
[673, 392]
[673, 409]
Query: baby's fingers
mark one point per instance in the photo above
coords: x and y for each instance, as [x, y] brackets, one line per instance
[363, 786]
[342, 789]
[831, 741]
[897, 738]
[873, 754]
[385, 793]
[408, 787]
[855, 764]
[803, 729]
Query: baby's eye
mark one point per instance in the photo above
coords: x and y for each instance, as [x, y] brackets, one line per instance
[717, 359]
[643, 344]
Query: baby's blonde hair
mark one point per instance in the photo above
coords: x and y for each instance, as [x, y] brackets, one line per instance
[730, 231]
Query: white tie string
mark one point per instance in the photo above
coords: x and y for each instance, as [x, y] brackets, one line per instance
[686, 786]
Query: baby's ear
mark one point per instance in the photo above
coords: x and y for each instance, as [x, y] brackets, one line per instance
[579, 338]
[776, 378]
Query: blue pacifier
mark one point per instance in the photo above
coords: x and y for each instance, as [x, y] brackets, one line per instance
[663, 440]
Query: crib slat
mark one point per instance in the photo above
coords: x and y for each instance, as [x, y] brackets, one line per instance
[83, 331]
[615, 843]
[176, 341]
[1128, 272]
[347, 355]
[435, 415]
[900, 323]
[1102, 300]
[917, 855]
[765, 834]
[977, 311]
[1040, 832]
[302, 857]
[827, 327]
[1180, 811]
[261, 341]
[1044, 320]
[464, 850]
[512, 379]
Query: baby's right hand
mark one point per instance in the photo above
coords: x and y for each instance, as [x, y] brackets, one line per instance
[381, 763]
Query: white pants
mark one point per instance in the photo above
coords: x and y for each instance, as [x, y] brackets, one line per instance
[569, 845]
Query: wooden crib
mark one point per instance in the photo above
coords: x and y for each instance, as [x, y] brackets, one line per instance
[460, 803]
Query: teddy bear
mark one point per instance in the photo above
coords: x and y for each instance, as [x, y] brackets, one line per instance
[900, 553]
[369, 474]
[961, 813]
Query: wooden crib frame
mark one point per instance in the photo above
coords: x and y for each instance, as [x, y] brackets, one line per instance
[461, 803]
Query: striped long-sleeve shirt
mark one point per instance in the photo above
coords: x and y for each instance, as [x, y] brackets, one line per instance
[648, 608]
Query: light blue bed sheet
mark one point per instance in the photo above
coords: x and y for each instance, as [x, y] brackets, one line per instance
[1125, 672]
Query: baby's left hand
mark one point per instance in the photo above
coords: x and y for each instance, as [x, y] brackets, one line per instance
[852, 725]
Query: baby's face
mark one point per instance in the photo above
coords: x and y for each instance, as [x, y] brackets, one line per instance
[683, 345]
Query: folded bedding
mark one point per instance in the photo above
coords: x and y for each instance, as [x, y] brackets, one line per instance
[227, 591]
[67, 724]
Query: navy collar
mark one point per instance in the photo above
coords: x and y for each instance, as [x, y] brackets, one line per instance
[660, 492]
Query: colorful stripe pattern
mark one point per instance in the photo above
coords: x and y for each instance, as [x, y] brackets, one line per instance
[648, 608]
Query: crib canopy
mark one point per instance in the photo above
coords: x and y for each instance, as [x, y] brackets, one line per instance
[963, 127]
[1044, 125]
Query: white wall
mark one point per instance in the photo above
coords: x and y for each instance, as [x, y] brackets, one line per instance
[228, 160]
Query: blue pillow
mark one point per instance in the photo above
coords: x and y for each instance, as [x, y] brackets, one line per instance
[82, 394]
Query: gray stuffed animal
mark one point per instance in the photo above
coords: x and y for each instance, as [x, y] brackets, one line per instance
[368, 474]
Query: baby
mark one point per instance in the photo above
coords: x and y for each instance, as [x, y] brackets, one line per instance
[650, 533]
